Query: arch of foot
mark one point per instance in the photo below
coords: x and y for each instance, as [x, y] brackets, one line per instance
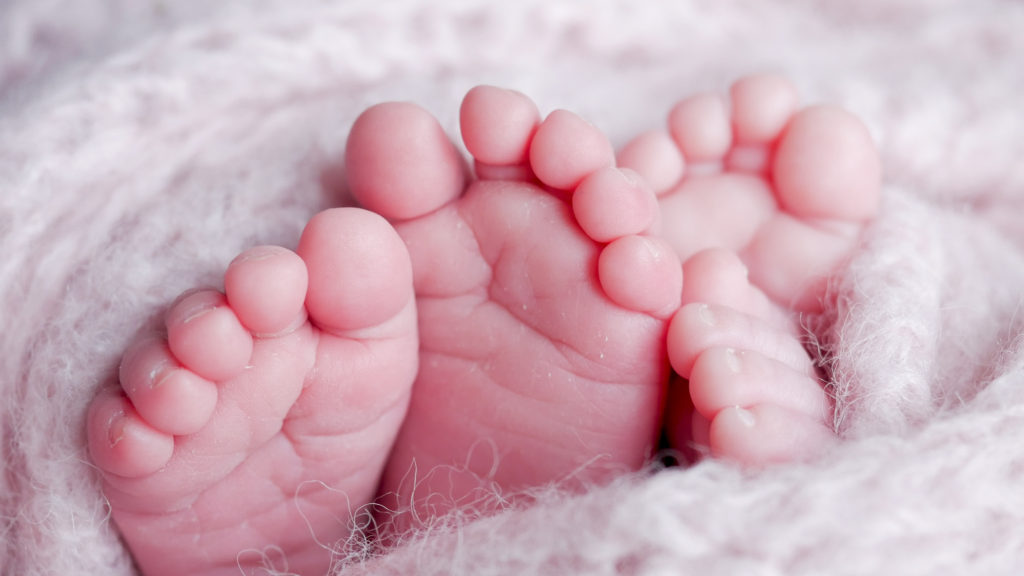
[402, 165]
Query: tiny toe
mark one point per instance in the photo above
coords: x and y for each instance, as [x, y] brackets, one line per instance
[497, 125]
[566, 148]
[205, 335]
[266, 287]
[400, 163]
[762, 104]
[360, 274]
[715, 276]
[121, 442]
[612, 203]
[724, 377]
[765, 434]
[826, 166]
[700, 127]
[656, 158]
[170, 398]
[718, 276]
[641, 273]
[697, 327]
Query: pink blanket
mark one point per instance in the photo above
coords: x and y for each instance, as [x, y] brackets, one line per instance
[143, 144]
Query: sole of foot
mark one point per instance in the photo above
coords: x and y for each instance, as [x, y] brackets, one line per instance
[787, 188]
[764, 201]
[543, 303]
[250, 433]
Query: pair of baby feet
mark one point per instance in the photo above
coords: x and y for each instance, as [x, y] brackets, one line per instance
[475, 336]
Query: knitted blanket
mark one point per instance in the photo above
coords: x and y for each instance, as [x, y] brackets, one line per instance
[143, 144]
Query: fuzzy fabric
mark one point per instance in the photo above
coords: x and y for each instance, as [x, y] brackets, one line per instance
[144, 143]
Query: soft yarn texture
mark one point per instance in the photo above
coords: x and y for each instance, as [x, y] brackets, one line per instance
[143, 144]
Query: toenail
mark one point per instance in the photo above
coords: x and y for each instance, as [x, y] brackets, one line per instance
[746, 417]
[706, 315]
[195, 304]
[652, 247]
[159, 374]
[115, 428]
[732, 360]
[196, 311]
[259, 253]
[631, 178]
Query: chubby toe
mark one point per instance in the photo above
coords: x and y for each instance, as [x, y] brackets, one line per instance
[206, 336]
[121, 442]
[766, 434]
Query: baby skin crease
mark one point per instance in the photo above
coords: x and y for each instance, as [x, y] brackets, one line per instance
[540, 314]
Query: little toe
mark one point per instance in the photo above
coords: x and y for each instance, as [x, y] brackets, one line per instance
[497, 126]
[698, 327]
[718, 276]
[360, 274]
[170, 398]
[400, 163]
[611, 203]
[762, 104]
[206, 337]
[121, 442]
[567, 148]
[765, 434]
[266, 287]
[724, 377]
[642, 273]
[701, 128]
[826, 166]
[656, 158]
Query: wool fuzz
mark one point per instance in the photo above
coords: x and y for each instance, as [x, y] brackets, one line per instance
[143, 144]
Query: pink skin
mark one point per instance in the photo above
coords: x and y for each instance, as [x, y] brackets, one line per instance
[543, 306]
[263, 417]
[545, 296]
[777, 194]
[787, 189]
[753, 393]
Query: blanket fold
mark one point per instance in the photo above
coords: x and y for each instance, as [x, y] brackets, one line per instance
[142, 147]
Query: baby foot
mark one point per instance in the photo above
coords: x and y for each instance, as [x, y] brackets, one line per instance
[789, 190]
[542, 324]
[255, 429]
[754, 389]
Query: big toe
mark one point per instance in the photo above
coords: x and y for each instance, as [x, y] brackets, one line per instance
[826, 166]
[400, 163]
[360, 274]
